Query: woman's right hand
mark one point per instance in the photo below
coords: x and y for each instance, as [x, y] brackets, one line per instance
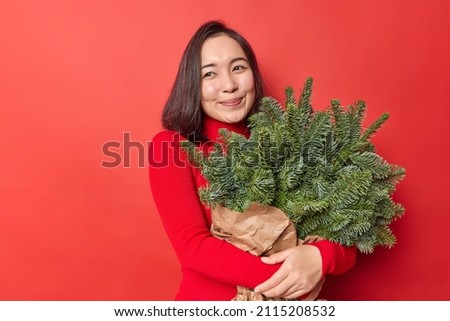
[299, 274]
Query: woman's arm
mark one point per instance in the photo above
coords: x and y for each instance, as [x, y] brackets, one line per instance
[304, 266]
[175, 195]
[336, 258]
[176, 198]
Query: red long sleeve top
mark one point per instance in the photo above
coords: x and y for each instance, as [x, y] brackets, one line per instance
[211, 267]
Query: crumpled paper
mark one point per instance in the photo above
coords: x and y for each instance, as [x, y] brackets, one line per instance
[260, 230]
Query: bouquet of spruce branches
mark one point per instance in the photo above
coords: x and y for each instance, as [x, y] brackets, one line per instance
[318, 167]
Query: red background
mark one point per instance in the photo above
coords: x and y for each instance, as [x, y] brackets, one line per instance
[77, 74]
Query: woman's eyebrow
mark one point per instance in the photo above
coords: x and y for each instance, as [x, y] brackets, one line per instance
[208, 65]
[231, 62]
[238, 59]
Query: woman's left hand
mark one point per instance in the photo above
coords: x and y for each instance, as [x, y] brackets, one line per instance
[299, 274]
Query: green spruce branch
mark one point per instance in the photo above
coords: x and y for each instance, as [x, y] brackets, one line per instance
[318, 167]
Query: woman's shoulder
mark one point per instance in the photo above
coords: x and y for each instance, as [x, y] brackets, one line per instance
[165, 150]
[168, 136]
[168, 141]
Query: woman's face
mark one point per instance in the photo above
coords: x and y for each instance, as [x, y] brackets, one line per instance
[227, 87]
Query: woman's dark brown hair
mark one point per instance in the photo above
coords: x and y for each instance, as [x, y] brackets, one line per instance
[182, 112]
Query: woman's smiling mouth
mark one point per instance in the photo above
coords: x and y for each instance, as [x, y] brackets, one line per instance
[232, 102]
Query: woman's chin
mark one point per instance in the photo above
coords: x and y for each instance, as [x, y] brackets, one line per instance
[232, 118]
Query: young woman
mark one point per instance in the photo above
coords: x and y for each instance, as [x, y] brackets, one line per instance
[218, 85]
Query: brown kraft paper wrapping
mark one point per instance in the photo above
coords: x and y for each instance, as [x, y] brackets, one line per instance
[260, 230]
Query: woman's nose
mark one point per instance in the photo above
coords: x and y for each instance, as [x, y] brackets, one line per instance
[229, 84]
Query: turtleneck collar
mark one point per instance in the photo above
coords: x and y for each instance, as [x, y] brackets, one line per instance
[211, 127]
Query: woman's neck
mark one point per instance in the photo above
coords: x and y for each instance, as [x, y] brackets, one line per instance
[211, 127]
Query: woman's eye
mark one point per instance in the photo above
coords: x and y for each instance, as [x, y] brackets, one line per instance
[208, 74]
[239, 67]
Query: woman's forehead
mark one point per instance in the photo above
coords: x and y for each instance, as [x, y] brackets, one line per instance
[221, 48]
